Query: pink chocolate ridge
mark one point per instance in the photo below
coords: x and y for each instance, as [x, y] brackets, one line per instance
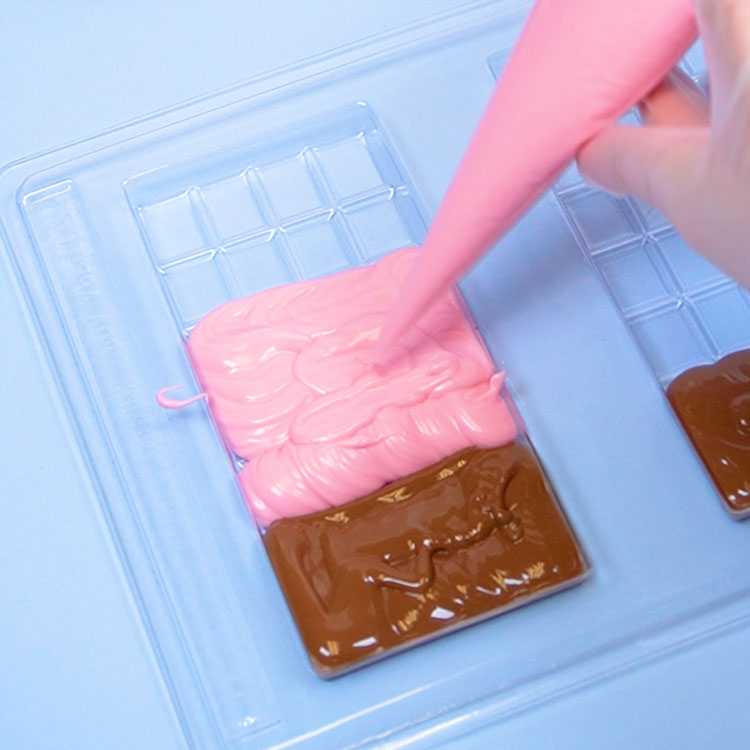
[290, 384]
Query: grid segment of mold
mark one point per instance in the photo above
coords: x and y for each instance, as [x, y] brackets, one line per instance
[319, 206]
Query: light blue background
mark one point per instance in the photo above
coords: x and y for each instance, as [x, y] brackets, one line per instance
[75, 669]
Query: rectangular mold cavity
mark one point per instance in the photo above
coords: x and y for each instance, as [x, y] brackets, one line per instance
[122, 241]
[327, 207]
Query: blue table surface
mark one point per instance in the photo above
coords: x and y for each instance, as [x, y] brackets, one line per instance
[75, 668]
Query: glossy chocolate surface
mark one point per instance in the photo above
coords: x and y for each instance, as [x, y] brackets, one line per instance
[470, 536]
[713, 404]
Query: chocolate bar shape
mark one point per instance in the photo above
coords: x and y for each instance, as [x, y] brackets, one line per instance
[713, 404]
[463, 539]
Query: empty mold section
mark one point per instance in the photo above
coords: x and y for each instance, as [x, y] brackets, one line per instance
[320, 206]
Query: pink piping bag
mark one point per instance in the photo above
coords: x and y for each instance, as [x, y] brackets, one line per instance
[578, 66]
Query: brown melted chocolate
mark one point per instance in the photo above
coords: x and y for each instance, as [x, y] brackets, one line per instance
[472, 535]
[713, 404]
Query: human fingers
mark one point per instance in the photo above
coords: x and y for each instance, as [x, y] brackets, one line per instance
[676, 102]
[729, 149]
[656, 164]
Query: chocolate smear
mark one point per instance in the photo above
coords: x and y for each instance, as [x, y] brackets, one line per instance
[471, 536]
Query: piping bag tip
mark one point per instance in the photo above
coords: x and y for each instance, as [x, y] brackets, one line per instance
[423, 285]
[378, 358]
[387, 348]
[383, 351]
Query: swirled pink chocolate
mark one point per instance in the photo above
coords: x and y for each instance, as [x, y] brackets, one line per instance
[292, 389]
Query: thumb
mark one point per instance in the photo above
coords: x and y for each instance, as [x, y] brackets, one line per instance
[659, 165]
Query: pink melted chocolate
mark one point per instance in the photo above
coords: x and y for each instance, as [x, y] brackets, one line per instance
[290, 383]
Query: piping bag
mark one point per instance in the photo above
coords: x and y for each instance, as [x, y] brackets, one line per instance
[578, 66]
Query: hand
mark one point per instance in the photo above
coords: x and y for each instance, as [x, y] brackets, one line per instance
[692, 160]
